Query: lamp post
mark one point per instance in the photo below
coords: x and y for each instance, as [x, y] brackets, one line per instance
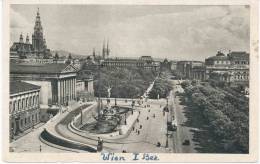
[125, 118]
[166, 144]
[81, 116]
[116, 91]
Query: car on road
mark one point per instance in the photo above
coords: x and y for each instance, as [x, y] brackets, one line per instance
[186, 142]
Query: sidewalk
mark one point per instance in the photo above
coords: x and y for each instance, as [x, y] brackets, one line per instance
[30, 142]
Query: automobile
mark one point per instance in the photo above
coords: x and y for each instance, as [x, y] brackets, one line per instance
[174, 127]
[186, 142]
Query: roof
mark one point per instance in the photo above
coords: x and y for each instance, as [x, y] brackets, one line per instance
[41, 68]
[217, 58]
[19, 86]
[239, 54]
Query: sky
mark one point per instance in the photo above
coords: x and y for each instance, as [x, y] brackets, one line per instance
[161, 31]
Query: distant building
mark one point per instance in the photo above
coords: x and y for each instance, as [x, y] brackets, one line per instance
[173, 65]
[36, 49]
[57, 81]
[85, 84]
[233, 67]
[144, 62]
[184, 69]
[23, 107]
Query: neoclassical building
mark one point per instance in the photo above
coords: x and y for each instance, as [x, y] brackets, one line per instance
[57, 81]
[233, 67]
[24, 107]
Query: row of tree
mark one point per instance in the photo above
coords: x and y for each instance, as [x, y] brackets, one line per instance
[226, 114]
[162, 87]
[124, 82]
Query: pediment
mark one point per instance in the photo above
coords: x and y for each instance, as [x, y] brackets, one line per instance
[69, 68]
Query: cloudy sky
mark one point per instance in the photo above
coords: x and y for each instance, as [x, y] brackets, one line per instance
[175, 32]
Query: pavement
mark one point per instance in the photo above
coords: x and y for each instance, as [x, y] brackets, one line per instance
[153, 131]
[31, 143]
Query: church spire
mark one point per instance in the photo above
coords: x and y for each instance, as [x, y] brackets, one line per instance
[107, 50]
[27, 39]
[21, 38]
[104, 49]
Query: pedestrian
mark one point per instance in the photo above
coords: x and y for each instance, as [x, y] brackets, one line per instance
[138, 132]
[141, 126]
[40, 148]
[149, 110]
[133, 128]
[99, 145]
[153, 115]
[137, 120]
[139, 112]
[158, 144]
[147, 118]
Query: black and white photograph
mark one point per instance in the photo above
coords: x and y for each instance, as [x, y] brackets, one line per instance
[138, 79]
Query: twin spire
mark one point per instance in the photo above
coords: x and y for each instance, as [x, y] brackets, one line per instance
[27, 38]
[105, 50]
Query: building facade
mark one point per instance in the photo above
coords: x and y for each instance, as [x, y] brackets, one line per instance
[144, 62]
[24, 107]
[190, 69]
[57, 81]
[233, 67]
[36, 49]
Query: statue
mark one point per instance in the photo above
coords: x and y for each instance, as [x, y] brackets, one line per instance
[108, 91]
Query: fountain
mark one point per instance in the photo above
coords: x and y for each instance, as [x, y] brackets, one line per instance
[109, 118]
[108, 121]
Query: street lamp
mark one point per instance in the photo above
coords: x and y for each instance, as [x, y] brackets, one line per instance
[125, 118]
[81, 116]
[166, 144]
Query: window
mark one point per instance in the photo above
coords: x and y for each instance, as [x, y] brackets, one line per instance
[21, 121]
[14, 106]
[10, 107]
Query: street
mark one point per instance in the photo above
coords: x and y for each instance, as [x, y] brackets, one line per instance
[183, 132]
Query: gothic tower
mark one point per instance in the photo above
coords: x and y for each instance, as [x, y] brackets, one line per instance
[104, 50]
[38, 42]
[108, 50]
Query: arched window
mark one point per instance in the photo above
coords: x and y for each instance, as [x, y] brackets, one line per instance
[19, 105]
[26, 102]
[14, 106]
[10, 107]
[30, 102]
[33, 101]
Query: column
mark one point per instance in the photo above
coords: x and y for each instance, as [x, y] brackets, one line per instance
[64, 91]
[75, 93]
[69, 89]
[59, 92]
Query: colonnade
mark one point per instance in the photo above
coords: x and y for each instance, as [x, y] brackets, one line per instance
[66, 90]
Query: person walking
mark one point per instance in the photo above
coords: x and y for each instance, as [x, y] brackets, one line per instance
[99, 145]
[40, 148]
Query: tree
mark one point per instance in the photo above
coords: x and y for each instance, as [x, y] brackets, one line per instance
[56, 56]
